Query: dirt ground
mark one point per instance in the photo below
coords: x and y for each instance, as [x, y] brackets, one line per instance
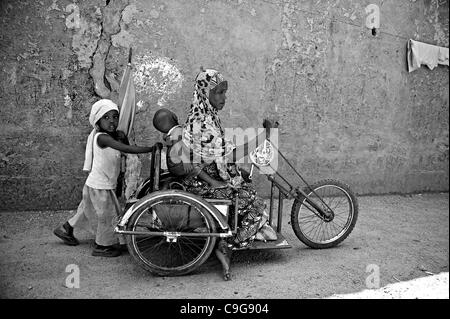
[399, 237]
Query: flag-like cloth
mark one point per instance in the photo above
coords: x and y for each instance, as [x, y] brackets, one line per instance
[127, 98]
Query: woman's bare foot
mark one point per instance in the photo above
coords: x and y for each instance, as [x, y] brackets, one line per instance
[218, 184]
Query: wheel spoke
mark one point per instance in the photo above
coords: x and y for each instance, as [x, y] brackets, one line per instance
[144, 247]
[318, 230]
[187, 242]
[183, 254]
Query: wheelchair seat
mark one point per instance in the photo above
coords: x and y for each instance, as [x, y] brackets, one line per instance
[160, 178]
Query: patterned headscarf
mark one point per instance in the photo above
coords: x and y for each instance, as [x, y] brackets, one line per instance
[203, 132]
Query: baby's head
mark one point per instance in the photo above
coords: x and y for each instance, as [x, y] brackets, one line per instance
[164, 120]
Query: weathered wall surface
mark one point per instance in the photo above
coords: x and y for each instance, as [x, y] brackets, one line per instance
[347, 106]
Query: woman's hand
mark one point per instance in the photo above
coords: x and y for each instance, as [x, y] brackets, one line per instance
[245, 175]
[268, 124]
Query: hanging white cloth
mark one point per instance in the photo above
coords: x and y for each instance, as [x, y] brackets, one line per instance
[419, 53]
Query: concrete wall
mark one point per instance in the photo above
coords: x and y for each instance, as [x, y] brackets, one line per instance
[348, 108]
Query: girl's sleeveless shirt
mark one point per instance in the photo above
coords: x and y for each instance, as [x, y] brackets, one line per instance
[105, 167]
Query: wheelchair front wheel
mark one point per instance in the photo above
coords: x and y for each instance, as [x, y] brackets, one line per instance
[317, 232]
[165, 215]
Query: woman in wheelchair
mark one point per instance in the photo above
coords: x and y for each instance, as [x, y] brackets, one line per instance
[199, 154]
[178, 162]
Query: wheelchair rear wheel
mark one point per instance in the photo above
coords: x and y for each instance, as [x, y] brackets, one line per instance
[165, 251]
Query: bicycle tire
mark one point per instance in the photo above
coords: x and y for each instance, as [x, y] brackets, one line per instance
[299, 207]
[158, 262]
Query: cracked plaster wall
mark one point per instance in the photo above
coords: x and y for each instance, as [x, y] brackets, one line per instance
[348, 108]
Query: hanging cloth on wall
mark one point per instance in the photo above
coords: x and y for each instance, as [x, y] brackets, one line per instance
[127, 99]
[419, 53]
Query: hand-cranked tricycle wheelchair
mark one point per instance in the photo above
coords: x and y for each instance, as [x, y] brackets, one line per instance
[172, 232]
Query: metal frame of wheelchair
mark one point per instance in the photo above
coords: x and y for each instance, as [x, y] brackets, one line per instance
[225, 223]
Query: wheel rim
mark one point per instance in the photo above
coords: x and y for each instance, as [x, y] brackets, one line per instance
[174, 216]
[320, 231]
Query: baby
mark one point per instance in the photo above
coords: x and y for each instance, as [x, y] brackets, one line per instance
[178, 154]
